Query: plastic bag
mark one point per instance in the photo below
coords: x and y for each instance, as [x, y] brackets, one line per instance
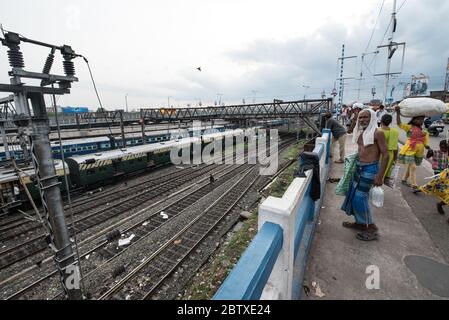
[414, 107]
[349, 170]
[377, 197]
[391, 181]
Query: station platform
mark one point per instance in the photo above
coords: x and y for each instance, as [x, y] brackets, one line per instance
[411, 254]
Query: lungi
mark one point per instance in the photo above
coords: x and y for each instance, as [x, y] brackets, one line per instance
[357, 199]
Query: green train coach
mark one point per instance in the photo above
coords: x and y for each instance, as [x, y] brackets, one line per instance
[88, 171]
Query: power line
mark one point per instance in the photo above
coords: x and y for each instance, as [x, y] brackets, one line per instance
[375, 25]
[401, 6]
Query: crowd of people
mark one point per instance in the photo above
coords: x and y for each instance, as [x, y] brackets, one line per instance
[378, 153]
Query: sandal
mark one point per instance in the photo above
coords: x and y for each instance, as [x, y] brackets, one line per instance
[354, 226]
[367, 236]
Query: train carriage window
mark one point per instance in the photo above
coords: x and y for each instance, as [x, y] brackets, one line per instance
[91, 171]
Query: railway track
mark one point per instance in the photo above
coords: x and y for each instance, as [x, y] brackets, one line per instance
[146, 226]
[38, 244]
[151, 224]
[147, 277]
[18, 225]
[25, 226]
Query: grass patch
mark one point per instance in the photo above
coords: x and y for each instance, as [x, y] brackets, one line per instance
[204, 285]
[207, 281]
[283, 181]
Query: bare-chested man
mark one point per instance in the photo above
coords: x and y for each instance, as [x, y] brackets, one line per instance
[371, 145]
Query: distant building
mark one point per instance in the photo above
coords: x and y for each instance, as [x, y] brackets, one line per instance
[70, 110]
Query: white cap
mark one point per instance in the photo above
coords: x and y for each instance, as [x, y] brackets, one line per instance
[359, 105]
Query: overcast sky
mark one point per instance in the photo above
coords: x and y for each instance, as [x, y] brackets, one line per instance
[247, 49]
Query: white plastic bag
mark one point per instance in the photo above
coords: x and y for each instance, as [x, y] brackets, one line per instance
[414, 107]
[391, 181]
[377, 197]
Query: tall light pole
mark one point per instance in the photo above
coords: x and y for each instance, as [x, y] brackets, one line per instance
[323, 94]
[361, 72]
[219, 100]
[305, 91]
[254, 95]
[126, 100]
[168, 99]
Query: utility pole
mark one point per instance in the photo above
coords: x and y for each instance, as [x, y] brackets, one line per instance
[126, 100]
[25, 96]
[361, 72]
[390, 50]
[254, 95]
[305, 91]
[341, 61]
[4, 121]
[446, 82]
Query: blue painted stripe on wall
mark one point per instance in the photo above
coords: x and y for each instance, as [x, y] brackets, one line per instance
[248, 278]
[303, 215]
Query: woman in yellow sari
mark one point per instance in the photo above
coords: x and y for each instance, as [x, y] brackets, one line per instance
[439, 188]
[412, 153]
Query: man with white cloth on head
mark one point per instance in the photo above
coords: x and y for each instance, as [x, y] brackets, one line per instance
[371, 145]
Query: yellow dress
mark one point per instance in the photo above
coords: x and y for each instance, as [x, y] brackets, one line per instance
[438, 187]
[414, 148]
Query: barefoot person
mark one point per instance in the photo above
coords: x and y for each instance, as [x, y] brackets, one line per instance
[371, 145]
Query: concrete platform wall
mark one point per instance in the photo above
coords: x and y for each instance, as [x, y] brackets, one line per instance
[274, 263]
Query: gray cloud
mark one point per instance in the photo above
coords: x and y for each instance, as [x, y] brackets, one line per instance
[124, 62]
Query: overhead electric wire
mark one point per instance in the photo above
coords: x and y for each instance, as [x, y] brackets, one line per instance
[375, 25]
[401, 6]
[99, 101]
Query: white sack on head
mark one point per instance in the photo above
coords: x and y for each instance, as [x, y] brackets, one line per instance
[368, 134]
[415, 107]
